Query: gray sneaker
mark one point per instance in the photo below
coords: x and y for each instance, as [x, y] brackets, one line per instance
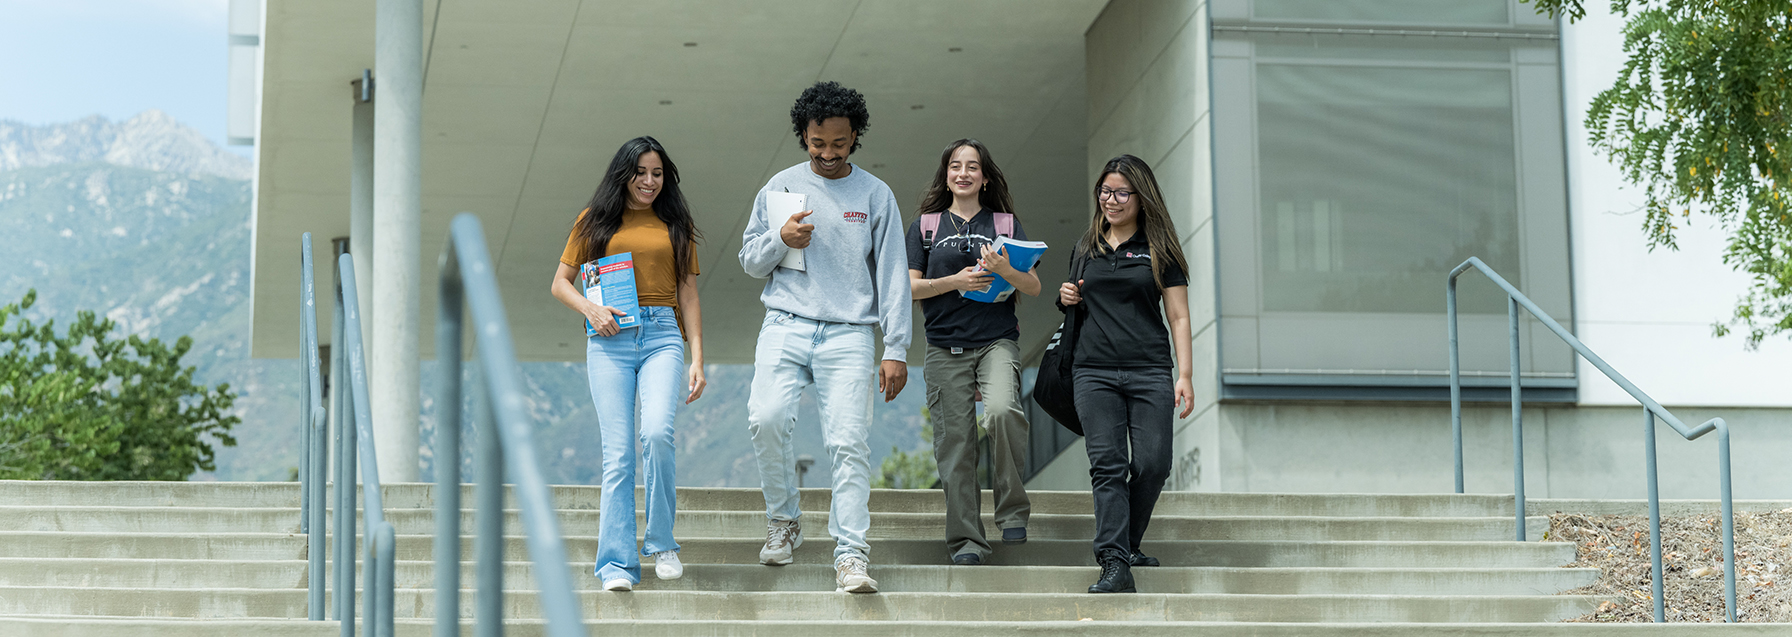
[781, 539]
[850, 577]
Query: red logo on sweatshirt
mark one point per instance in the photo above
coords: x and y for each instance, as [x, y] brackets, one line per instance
[856, 217]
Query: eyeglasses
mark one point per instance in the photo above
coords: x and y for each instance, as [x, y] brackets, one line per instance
[1119, 196]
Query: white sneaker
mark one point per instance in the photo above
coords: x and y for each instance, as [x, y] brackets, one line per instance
[781, 539]
[667, 566]
[850, 576]
[619, 584]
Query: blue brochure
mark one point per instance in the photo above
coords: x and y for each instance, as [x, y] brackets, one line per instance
[1023, 255]
[610, 281]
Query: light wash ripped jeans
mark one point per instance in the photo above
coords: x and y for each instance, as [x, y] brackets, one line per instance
[792, 353]
[644, 362]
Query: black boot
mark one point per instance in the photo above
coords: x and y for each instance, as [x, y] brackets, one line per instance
[1116, 573]
[1141, 559]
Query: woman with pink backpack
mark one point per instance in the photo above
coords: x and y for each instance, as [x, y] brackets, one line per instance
[971, 344]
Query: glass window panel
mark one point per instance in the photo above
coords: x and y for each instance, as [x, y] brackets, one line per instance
[1386, 11]
[1375, 180]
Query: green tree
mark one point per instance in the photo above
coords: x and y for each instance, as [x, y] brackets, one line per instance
[85, 406]
[910, 469]
[1697, 119]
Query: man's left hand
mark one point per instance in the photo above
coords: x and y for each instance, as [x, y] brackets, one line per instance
[891, 376]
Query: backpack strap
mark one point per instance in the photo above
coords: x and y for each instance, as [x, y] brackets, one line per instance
[1004, 224]
[930, 225]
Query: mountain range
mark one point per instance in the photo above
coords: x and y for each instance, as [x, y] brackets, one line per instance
[148, 223]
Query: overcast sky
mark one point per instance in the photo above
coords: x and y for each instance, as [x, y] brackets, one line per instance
[62, 60]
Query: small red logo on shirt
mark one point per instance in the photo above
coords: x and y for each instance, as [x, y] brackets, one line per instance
[856, 217]
[1130, 255]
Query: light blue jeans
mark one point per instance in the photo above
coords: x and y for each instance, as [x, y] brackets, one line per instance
[794, 352]
[644, 362]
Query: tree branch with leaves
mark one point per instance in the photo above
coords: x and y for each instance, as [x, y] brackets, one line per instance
[1698, 119]
[85, 406]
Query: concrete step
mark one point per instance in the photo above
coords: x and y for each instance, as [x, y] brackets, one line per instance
[148, 627]
[704, 523]
[1233, 553]
[291, 574]
[421, 496]
[222, 603]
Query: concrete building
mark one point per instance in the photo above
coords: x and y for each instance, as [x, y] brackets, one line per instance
[1327, 162]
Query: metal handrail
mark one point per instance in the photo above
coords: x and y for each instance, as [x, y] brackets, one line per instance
[468, 282]
[355, 431]
[314, 455]
[1651, 409]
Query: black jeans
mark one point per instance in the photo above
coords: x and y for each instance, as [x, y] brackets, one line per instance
[1122, 408]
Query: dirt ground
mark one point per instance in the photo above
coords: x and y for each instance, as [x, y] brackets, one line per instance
[1692, 556]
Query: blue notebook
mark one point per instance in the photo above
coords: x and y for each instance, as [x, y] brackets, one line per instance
[1023, 255]
[610, 281]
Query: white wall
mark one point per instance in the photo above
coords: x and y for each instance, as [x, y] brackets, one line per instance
[1650, 313]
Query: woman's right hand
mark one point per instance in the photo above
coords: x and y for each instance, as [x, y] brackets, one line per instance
[970, 279]
[1070, 293]
[603, 319]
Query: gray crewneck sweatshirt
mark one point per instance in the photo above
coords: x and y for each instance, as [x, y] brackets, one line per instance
[855, 268]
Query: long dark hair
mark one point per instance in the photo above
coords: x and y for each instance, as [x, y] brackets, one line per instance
[994, 195]
[1154, 217]
[604, 216]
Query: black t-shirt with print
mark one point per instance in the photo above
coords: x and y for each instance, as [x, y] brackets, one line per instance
[952, 320]
[1124, 326]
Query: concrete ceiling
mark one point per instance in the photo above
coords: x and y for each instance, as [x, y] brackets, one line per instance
[525, 102]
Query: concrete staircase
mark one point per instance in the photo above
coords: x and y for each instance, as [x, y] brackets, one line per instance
[221, 559]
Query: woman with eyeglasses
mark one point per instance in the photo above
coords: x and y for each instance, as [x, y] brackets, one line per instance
[971, 346]
[1127, 265]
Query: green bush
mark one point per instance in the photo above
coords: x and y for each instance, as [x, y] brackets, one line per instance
[85, 406]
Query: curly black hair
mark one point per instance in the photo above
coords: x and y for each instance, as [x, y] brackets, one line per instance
[827, 100]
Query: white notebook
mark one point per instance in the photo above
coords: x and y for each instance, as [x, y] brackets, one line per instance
[778, 208]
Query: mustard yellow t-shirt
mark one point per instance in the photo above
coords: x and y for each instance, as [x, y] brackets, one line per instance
[643, 234]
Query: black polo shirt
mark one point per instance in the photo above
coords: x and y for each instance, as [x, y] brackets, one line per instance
[1124, 326]
[952, 320]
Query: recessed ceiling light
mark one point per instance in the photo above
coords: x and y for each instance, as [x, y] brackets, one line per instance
[665, 102]
[917, 107]
[956, 49]
[690, 45]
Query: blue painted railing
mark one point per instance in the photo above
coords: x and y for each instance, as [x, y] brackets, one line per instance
[355, 416]
[505, 450]
[353, 438]
[1651, 410]
[313, 452]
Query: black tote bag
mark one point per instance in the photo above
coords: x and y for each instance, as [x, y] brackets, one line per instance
[1052, 389]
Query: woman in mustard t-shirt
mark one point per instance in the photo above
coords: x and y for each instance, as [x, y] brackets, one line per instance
[638, 209]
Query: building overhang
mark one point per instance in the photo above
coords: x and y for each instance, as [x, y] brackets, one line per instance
[524, 103]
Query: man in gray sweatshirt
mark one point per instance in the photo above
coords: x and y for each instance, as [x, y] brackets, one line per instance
[818, 325]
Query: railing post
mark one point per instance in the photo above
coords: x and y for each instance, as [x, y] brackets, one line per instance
[1729, 513]
[386, 546]
[488, 522]
[315, 600]
[371, 498]
[345, 469]
[1455, 381]
[1655, 583]
[1517, 422]
[448, 417]
[311, 412]
[307, 330]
